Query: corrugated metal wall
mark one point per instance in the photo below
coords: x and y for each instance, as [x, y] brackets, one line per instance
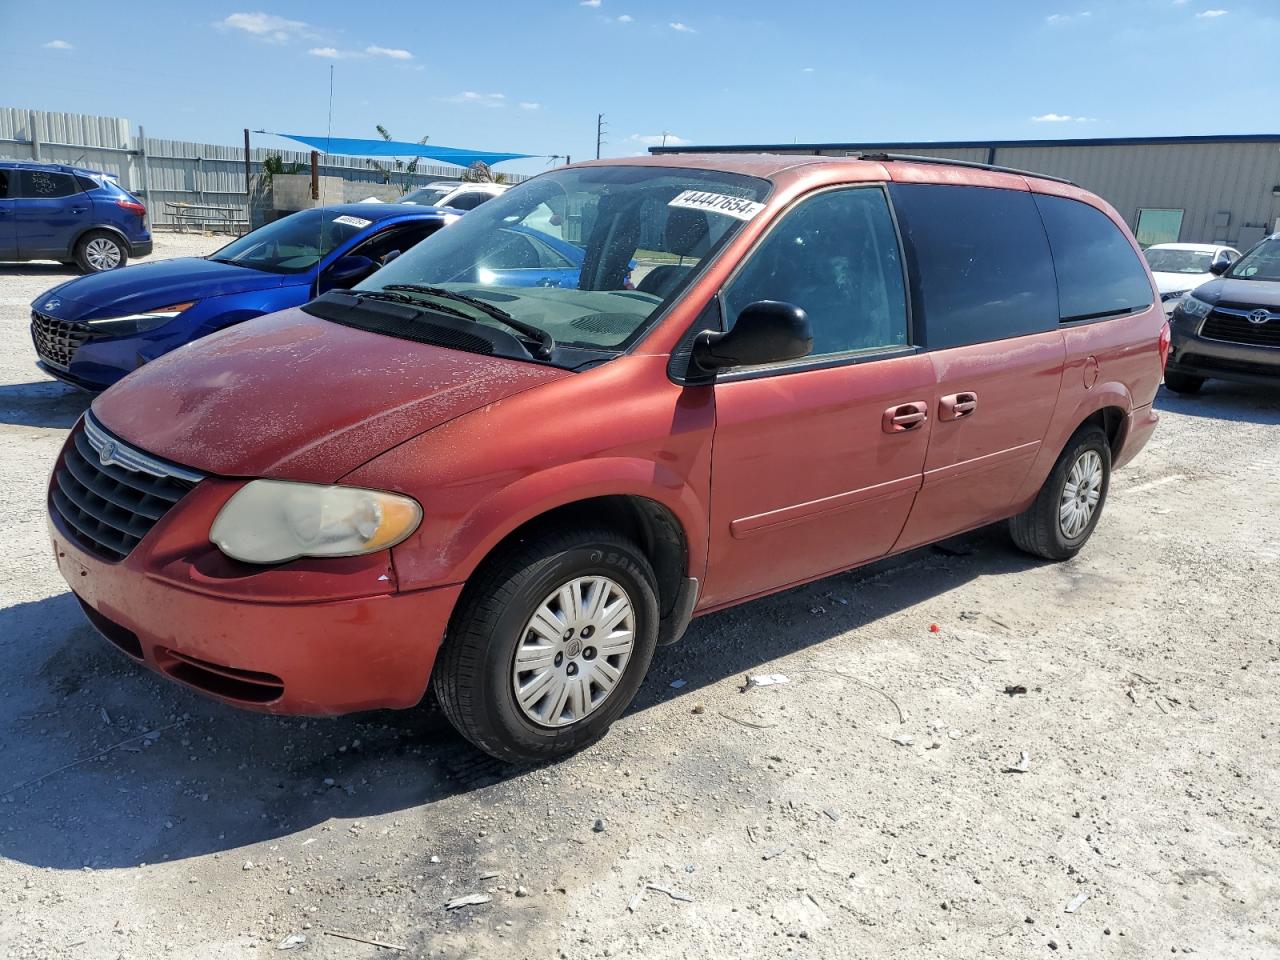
[179, 170]
[1205, 180]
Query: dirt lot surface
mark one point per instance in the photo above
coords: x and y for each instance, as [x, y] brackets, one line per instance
[872, 807]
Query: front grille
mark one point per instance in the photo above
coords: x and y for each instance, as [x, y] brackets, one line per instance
[109, 494]
[1234, 326]
[57, 340]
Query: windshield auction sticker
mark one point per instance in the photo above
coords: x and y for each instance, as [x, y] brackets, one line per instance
[352, 221]
[737, 207]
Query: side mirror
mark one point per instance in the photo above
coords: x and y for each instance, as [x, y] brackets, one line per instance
[1220, 265]
[767, 331]
[348, 270]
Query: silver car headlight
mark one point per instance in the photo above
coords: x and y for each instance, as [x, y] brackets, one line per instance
[272, 521]
[1195, 308]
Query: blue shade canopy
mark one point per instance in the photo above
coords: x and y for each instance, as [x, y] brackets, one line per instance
[398, 148]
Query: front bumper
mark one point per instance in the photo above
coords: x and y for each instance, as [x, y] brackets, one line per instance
[1197, 356]
[308, 637]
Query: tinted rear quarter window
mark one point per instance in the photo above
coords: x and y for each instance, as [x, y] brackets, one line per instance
[1099, 274]
[981, 268]
[4, 184]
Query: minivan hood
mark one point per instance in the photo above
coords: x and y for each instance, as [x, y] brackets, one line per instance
[146, 286]
[1240, 293]
[295, 397]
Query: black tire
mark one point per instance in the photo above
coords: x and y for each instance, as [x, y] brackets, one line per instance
[87, 258]
[473, 676]
[1182, 382]
[1038, 530]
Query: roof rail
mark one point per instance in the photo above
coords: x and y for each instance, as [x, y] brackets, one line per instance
[913, 158]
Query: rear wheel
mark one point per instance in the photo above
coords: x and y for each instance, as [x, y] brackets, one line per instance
[99, 251]
[1182, 382]
[549, 645]
[1060, 521]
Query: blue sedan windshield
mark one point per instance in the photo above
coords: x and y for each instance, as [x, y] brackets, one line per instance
[293, 244]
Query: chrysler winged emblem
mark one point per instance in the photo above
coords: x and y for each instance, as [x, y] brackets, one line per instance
[107, 455]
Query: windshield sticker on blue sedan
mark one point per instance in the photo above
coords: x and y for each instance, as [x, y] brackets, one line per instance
[737, 207]
[352, 221]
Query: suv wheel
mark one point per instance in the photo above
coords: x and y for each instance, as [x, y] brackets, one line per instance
[98, 251]
[1069, 504]
[549, 645]
[1182, 382]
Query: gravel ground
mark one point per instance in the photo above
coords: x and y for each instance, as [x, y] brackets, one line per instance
[870, 807]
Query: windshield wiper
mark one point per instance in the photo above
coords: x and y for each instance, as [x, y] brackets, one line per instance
[546, 342]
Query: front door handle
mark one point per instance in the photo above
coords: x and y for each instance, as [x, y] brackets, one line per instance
[956, 406]
[904, 417]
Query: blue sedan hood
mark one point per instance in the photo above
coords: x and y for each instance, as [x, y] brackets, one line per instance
[147, 286]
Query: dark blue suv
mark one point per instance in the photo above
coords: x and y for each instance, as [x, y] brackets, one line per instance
[49, 211]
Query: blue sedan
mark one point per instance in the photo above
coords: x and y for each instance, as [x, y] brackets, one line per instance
[91, 331]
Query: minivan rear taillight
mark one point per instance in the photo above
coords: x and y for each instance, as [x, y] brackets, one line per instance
[133, 206]
[1165, 338]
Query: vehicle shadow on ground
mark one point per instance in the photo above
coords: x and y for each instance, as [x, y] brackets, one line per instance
[82, 785]
[42, 403]
[50, 269]
[1222, 400]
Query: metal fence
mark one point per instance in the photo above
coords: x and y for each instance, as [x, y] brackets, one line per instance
[161, 171]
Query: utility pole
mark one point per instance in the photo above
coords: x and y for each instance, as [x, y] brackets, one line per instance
[600, 127]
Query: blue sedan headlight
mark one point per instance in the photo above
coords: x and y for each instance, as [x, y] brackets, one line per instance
[139, 322]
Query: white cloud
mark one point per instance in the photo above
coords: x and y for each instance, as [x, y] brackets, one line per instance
[1060, 18]
[266, 26]
[333, 53]
[679, 27]
[480, 99]
[394, 53]
[659, 139]
[807, 70]
[590, 3]
[1062, 118]
[58, 45]
[626, 18]
[530, 105]
[1210, 14]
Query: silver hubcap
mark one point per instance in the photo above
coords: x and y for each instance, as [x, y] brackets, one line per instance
[573, 652]
[102, 254]
[1081, 494]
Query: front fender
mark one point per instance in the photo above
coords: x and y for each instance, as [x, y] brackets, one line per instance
[446, 550]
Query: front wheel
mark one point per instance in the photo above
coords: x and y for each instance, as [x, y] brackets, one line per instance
[99, 251]
[549, 645]
[1058, 524]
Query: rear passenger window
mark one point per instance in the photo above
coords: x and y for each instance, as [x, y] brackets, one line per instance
[4, 184]
[45, 185]
[1099, 275]
[835, 256]
[981, 268]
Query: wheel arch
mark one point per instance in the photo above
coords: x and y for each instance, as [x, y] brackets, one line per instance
[100, 228]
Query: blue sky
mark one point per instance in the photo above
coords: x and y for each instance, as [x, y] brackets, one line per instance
[531, 76]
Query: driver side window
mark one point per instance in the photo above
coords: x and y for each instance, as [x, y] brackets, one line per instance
[836, 256]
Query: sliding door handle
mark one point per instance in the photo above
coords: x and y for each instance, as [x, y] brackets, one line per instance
[957, 406]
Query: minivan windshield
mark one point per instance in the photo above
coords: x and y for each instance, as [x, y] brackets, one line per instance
[586, 254]
[292, 244]
[1260, 263]
[1179, 261]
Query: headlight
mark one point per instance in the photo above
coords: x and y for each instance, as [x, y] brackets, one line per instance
[271, 521]
[140, 322]
[1194, 308]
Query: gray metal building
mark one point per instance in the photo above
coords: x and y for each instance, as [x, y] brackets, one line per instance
[1189, 189]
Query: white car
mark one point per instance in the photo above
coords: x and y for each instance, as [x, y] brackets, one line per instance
[1181, 267]
[453, 193]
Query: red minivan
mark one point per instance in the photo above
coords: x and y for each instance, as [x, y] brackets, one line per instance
[515, 493]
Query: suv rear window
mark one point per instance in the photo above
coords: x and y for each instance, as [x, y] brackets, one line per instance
[1099, 275]
[982, 269]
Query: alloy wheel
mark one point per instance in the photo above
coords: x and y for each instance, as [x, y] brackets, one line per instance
[102, 254]
[1080, 494]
